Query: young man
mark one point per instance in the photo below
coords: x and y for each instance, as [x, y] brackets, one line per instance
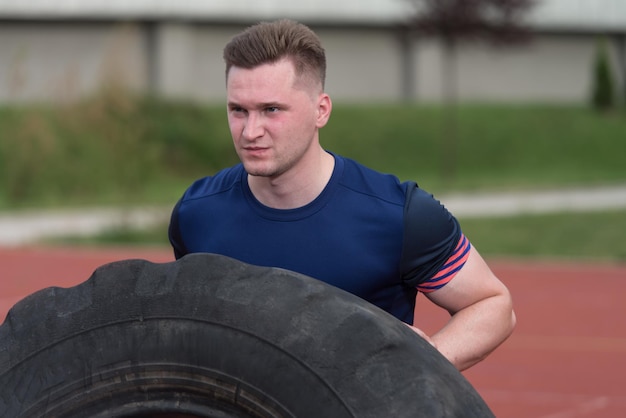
[294, 205]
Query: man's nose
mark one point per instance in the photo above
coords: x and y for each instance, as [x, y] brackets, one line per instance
[253, 127]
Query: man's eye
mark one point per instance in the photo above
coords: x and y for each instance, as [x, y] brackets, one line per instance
[272, 109]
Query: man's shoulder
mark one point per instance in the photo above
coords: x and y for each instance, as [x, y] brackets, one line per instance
[365, 180]
[222, 181]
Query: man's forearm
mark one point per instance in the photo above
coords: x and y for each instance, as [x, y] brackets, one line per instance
[475, 331]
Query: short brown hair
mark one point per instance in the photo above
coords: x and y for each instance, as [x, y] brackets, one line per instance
[269, 42]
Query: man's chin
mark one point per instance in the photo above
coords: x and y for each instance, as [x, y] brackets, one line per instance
[257, 170]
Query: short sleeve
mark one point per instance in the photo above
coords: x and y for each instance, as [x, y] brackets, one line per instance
[431, 237]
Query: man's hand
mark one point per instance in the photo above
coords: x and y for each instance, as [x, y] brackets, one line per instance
[422, 334]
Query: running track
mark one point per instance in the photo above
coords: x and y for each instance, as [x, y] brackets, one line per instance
[566, 359]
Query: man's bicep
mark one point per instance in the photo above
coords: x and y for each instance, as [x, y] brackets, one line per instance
[472, 283]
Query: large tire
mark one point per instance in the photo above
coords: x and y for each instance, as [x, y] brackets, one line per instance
[210, 336]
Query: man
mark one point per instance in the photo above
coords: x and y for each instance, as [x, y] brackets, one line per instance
[292, 204]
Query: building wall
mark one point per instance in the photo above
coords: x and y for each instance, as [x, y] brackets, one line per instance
[363, 64]
[550, 68]
[61, 60]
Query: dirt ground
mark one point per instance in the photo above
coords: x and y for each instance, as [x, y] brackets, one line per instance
[567, 357]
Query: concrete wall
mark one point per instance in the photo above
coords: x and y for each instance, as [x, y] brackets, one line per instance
[58, 60]
[551, 68]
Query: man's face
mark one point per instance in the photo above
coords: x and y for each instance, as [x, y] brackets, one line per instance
[273, 116]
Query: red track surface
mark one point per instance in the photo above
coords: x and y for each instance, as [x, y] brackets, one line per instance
[566, 359]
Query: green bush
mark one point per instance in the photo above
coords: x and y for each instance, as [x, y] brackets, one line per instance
[111, 148]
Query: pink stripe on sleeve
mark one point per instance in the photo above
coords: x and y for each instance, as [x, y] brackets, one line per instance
[450, 268]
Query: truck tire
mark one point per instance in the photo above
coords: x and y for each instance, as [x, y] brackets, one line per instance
[209, 336]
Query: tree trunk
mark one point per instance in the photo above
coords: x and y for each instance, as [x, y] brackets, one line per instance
[449, 143]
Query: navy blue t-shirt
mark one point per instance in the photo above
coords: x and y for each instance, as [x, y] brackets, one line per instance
[366, 233]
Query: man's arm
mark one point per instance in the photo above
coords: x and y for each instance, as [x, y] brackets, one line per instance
[481, 310]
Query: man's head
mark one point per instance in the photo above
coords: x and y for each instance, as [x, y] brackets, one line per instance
[270, 42]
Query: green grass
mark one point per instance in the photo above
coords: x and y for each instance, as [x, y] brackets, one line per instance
[570, 236]
[115, 149]
[111, 149]
[497, 147]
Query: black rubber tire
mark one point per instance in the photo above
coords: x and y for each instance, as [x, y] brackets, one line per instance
[210, 336]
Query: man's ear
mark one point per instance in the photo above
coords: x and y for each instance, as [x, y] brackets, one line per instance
[324, 107]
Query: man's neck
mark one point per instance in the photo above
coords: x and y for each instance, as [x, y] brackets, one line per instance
[297, 187]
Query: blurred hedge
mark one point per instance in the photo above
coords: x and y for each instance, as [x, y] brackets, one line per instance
[116, 148]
